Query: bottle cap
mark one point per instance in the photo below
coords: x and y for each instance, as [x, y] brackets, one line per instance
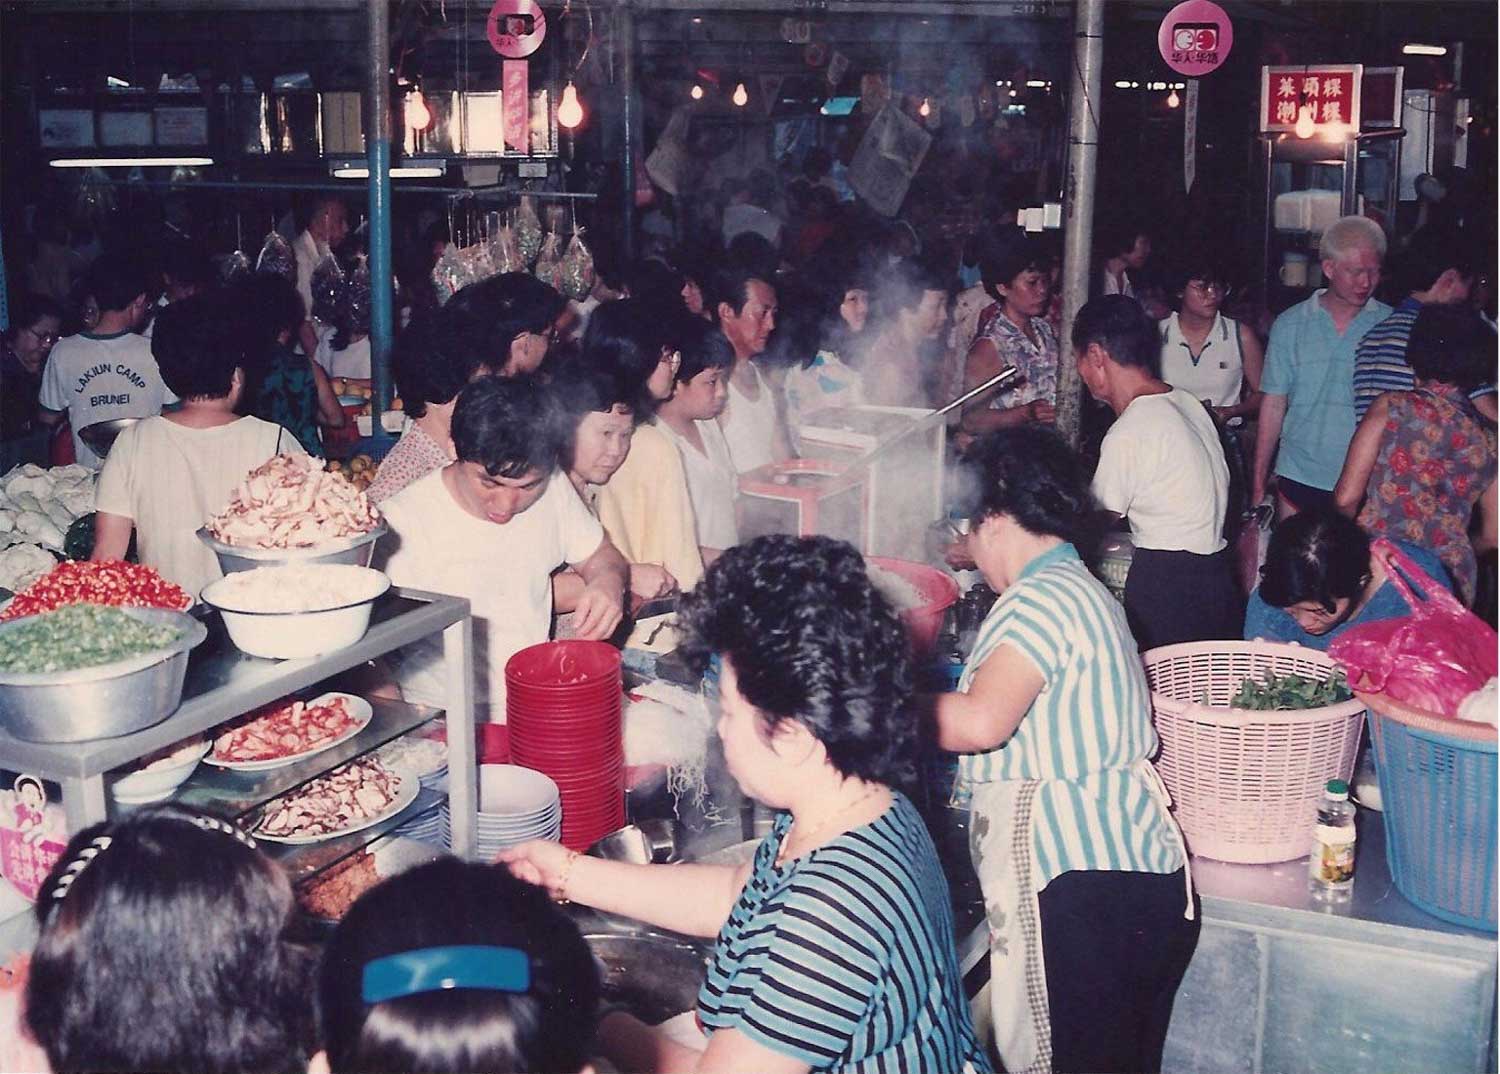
[1338, 789]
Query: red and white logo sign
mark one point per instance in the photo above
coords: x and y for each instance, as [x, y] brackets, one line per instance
[1195, 37]
[516, 28]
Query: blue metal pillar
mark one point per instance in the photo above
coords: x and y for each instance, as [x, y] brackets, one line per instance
[378, 154]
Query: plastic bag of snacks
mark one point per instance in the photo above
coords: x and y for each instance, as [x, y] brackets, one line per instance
[577, 269]
[549, 263]
[276, 258]
[528, 230]
[328, 287]
[448, 275]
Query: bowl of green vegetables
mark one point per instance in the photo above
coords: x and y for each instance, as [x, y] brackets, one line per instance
[86, 671]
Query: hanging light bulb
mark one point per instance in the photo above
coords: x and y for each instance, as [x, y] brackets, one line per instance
[418, 115]
[1306, 127]
[925, 109]
[1173, 100]
[569, 109]
[696, 93]
[741, 96]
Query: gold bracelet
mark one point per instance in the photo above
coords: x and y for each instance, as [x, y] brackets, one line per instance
[560, 892]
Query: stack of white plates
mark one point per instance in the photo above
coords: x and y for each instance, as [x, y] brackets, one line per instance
[515, 805]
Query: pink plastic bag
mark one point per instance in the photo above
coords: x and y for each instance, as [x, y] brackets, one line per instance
[1431, 659]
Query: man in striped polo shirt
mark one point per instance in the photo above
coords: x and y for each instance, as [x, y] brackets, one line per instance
[1439, 271]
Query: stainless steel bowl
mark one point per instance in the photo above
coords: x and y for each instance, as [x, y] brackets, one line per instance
[101, 435]
[233, 558]
[104, 701]
[653, 975]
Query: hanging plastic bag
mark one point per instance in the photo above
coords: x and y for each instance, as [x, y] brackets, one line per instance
[328, 284]
[359, 299]
[505, 251]
[528, 230]
[276, 258]
[448, 275]
[549, 263]
[577, 269]
[235, 267]
[1432, 659]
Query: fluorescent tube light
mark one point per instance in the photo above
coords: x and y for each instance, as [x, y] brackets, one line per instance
[1425, 50]
[131, 162]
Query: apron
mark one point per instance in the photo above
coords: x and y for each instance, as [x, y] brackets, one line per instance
[1000, 844]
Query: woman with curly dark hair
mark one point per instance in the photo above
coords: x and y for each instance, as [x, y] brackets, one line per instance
[1076, 853]
[835, 944]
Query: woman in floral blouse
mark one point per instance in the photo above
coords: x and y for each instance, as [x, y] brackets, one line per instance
[1422, 459]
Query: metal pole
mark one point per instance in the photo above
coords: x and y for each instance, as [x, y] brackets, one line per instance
[1084, 102]
[378, 153]
[625, 39]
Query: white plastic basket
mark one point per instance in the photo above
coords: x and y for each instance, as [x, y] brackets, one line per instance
[1245, 784]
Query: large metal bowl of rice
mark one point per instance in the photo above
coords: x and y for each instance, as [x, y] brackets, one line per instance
[54, 691]
[298, 611]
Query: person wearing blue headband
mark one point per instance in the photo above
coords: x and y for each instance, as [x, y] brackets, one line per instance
[456, 967]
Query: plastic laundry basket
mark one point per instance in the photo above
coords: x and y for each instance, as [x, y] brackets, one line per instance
[1438, 788]
[1245, 784]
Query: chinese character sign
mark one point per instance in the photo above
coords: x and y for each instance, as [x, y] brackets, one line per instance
[1330, 93]
[1195, 37]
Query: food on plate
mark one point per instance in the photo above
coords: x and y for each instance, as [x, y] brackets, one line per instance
[113, 582]
[1285, 693]
[284, 590]
[418, 754]
[291, 501]
[285, 729]
[330, 895]
[350, 793]
[79, 636]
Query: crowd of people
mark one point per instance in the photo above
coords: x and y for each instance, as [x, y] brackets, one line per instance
[565, 462]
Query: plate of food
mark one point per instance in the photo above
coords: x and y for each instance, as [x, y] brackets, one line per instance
[351, 798]
[287, 731]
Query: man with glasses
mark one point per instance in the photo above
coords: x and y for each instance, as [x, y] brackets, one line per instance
[34, 324]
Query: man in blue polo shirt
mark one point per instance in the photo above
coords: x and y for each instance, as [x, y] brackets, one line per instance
[1308, 406]
[1439, 271]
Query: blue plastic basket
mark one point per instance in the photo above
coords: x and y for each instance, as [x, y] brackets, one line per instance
[1438, 787]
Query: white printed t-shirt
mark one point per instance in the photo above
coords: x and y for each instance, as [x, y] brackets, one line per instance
[100, 378]
[1162, 466]
[169, 479]
[505, 571]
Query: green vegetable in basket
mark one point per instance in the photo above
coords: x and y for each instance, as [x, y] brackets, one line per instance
[79, 636]
[1285, 693]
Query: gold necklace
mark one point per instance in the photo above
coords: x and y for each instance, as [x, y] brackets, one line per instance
[805, 836]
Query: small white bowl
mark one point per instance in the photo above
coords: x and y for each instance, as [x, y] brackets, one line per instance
[292, 635]
[508, 790]
[155, 782]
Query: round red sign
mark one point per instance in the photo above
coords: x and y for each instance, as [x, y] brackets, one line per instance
[1195, 37]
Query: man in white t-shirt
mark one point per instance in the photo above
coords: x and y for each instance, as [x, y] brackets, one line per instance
[492, 526]
[107, 372]
[327, 227]
[1162, 467]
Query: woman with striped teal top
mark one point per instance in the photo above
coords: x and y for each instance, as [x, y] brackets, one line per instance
[1092, 915]
[835, 944]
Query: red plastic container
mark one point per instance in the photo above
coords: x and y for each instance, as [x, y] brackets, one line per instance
[939, 592]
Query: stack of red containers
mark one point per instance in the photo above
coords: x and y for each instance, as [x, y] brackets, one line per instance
[563, 709]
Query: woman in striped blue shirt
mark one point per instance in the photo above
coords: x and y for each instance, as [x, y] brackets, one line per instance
[1092, 915]
[835, 945]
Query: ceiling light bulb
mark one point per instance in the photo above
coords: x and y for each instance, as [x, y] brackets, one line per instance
[1173, 100]
[569, 111]
[741, 96]
[1305, 127]
[418, 115]
[926, 108]
[696, 93]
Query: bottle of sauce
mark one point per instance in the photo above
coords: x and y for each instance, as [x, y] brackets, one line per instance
[1331, 864]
